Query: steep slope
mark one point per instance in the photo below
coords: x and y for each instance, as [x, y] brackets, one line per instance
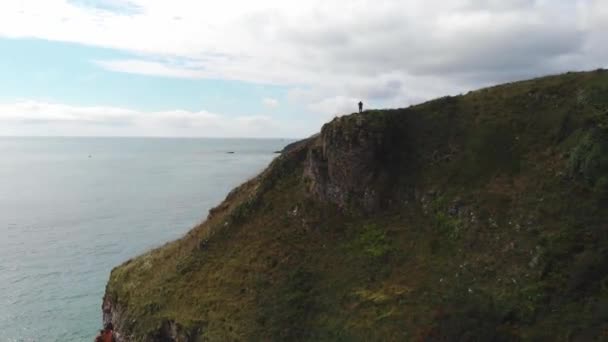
[476, 217]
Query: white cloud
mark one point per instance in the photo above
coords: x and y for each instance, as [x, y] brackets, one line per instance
[43, 112]
[270, 103]
[143, 67]
[335, 105]
[45, 118]
[391, 52]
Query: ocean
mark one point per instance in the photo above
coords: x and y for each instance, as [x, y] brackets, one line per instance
[71, 209]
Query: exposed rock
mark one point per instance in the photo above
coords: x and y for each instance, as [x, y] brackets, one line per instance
[169, 331]
[345, 165]
[113, 313]
[454, 209]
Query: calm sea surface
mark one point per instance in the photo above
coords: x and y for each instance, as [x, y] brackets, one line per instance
[73, 208]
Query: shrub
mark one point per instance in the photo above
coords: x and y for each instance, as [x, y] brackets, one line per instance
[589, 160]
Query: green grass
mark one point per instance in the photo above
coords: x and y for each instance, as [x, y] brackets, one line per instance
[371, 242]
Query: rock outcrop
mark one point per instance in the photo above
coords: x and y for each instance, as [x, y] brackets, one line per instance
[353, 162]
[112, 313]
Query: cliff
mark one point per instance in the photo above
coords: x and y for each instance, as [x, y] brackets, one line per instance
[476, 217]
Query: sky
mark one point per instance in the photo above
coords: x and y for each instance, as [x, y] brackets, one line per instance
[269, 68]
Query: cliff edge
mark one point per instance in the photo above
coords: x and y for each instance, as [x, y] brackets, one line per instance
[475, 217]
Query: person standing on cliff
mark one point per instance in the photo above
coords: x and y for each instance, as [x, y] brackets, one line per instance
[360, 106]
[107, 334]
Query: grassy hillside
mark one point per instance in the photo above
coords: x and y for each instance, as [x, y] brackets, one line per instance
[478, 217]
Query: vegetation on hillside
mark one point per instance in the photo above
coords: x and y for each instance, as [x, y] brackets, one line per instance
[475, 218]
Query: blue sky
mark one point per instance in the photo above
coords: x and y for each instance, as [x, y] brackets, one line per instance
[61, 72]
[66, 72]
[268, 68]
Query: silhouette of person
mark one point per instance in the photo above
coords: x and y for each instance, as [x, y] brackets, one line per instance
[360, 106]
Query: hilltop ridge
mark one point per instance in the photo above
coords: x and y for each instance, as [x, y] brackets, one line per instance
[473, 217]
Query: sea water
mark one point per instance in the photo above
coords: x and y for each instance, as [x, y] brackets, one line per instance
[71, 209]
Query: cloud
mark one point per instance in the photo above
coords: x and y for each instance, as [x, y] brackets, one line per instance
[29, 117]
[116, 6]
[335, 105]
[154, 68]
[33, 112]
[270, 103]
[386, 53]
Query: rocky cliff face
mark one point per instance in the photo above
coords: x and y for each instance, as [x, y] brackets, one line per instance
[358, 162]
[112, 313]
[345, 165]
[478, 217]
[167, 331]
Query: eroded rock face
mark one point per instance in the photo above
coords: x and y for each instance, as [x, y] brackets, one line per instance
[169, 331]
[346, 163]
[113, 313]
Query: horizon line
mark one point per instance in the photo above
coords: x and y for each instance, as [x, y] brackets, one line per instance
[144, 137]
